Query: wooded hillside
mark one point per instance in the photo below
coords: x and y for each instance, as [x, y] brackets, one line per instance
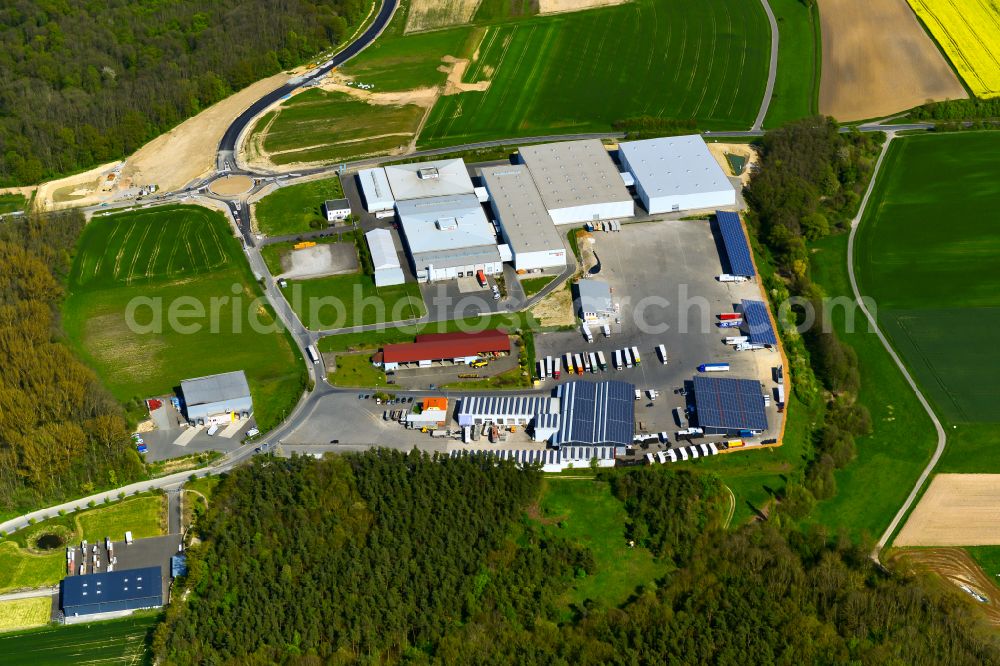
[89, 82]
[61, 434]
[385, 557]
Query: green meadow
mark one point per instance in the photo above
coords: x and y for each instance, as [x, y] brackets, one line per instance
[164, 294]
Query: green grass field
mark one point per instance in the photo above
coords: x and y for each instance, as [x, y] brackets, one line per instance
[871, 489]
[395, 62]
[584, 510]
[796, 85]
[988, 558]
[108, 643]
[183, 260]
[320, 125]
[25, 613]
[573, 72]
[375, 339]
[357, 370]
[296, 208]
[342, 301]
[928, 253]
[532, 286]
[145, 516]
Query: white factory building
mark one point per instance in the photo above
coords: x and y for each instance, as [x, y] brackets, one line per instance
[385, 259]
[375, 189]
[421, 180]
[448, 237]
[524, 223]
[676, 173]
[578, 181]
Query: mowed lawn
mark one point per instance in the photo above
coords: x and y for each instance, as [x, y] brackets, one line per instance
[197, 312]
[583, 71]
[320, 125]
[342, 301]
[296, 208]
[928, 253]
[113, 642]
[583, 510]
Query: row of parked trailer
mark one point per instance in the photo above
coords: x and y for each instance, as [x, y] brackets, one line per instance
[610, 225]
[682, 453]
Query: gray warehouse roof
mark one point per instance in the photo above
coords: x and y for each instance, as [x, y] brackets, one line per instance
[215, 388]
[574, 173]
[595, 296]
[429, 179]
[674, 165]
[445, 223]
[519, 207]
[596, 413]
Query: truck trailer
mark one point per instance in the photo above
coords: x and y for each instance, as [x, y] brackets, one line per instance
[713, 367]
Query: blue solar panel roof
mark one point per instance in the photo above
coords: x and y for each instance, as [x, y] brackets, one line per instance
[737, 248]
[596, 413]
[724, 404]
[108, 588]
[758, 323]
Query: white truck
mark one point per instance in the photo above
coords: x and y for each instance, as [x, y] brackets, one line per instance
[606, 330]
[627, 355]
[662, 351]
[736, 339]
[635, 355]
[618, 359]
[586, 333]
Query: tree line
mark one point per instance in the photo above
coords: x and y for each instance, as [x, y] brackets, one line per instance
[809, 184]
[87, 83]
[62, 434]
[386, 557]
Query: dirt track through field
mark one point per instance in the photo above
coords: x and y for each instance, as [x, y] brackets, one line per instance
[956, 510]
[877, 60]
[958, 568]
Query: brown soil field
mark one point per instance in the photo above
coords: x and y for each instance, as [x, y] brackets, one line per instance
[556, 309]
[559, 6]
[958, 568]
[431, 14]
[870, 70]
[231, 185]
[956, 510]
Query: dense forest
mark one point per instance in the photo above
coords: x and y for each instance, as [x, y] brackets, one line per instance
[89, 82]
[62, 435]
[385, 557]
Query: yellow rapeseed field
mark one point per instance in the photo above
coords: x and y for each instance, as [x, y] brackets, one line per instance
[969, 32]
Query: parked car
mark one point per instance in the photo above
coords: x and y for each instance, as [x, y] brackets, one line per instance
[253, 432]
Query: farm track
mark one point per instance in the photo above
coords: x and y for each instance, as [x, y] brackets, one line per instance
[958, 568]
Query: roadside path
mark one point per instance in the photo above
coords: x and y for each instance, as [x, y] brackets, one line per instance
[772, 69]
[941, 437]
[30, 594]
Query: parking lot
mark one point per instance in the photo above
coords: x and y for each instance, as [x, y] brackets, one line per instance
[663, 277]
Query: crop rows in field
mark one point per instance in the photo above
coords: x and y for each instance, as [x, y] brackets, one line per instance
[112, 642]
[969, 33]
[577, 71]
[154, 244]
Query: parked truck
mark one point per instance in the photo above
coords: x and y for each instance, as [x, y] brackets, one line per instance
[602, 361]
[736, 339]
[730, 323]
[635, 355]
[779, 396]
[569, 364]
[578, 364]
[556, 367]
[606, 330]
[481, 276]
[618, 359]
[586, 362]
[593, 362]
[662, 351]
[586, 333]
[627, 355]
[313, 354]
[726, 316]
[713, 367]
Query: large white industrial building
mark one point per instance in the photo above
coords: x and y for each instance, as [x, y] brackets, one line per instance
[578, 181]
[375, 189]
[385, 259]
[676, 173]
[522, 218]
[421, 180]
[448, 237]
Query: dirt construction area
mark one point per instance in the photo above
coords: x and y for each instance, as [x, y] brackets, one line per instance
[956, 510]
[320, 261]
[869, 72]
[958, 568]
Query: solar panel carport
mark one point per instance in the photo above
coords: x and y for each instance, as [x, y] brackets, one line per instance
[758, 323]
[724, 405]
[735, 242]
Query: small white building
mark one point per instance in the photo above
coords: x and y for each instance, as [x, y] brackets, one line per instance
[578, 181]
[337, 210]
[448, 237]
[524, 222]
[594, 297]
[375, 189]
[676, 173]
[385, 259]
[422, 180]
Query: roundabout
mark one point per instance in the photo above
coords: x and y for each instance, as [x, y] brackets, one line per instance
[229, 186]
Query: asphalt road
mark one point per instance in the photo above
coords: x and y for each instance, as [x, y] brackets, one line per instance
[772, 68]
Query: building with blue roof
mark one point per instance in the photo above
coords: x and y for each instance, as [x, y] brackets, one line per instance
[737, 247]
[126, 590]
[596, 413]
[726, 406]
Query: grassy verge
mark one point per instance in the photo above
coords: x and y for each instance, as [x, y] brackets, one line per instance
[112, 642]
[584, 510]
[25, 613]
[357, 370]
[296, 208]
[374, 339]
[796, 85]
[532, 286]
[12, 202]
[342, 301]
